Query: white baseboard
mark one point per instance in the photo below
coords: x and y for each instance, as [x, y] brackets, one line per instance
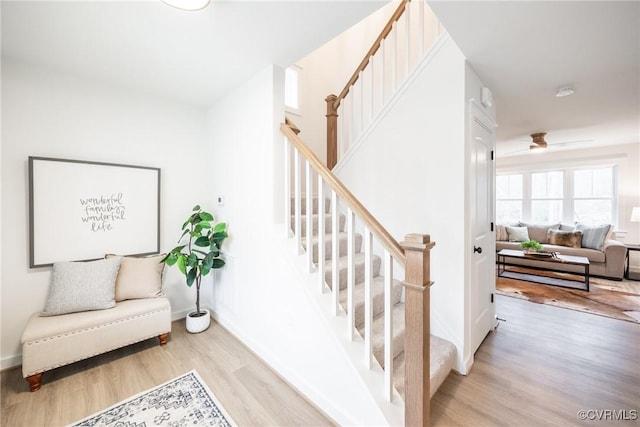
[11, 362]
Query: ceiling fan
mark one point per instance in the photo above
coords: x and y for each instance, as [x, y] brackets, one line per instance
[537, 143]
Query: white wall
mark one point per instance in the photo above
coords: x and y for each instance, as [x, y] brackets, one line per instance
[45, 113]
[409, 172]
[260, 295]
[326, 70]
[627, 159]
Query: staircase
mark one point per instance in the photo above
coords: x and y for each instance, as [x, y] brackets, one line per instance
[354, 256]
[442, 352]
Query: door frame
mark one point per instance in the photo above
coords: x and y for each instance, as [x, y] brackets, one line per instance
[475, 111]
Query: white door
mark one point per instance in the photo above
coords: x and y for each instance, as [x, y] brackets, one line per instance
[481, 306]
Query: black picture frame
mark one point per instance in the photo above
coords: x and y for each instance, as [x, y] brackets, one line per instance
[81, 210]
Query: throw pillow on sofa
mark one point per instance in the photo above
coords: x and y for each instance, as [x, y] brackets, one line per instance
[517, 234]
[593, 237]
[572, 239]
[82, 286]
[139, 277]
[538, 232]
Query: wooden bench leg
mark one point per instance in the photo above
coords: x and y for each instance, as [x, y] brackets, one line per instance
[34, 381]
[163, 338]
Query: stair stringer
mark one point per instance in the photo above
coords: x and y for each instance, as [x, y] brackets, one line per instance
[317, 365]
[371, 379]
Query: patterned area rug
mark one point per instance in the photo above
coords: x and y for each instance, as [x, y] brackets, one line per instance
[183, 401]
[610, 298]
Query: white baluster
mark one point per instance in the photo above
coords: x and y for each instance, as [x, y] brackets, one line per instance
[297, 218]
[368, 302]
[362, 109]
[394, 57]
[407, 20]
[372, 75]
[335, 285]
[321, 233]
[287, 187]
[388, 326]
[421, 33]
[309, 210]
[383, 60]
[351, 318]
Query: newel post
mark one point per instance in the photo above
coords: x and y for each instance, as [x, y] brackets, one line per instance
[417, 346]
[332, 131]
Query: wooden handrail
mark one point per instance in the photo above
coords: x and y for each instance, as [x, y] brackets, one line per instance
[374, 48]
[389, 243]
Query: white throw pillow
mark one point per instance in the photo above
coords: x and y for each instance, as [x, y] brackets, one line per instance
[82, 286]
[139, 277]
[517, 234]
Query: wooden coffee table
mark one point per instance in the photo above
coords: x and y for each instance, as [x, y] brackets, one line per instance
[505, 254]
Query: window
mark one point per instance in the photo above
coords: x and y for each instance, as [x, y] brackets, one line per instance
[593, 192]
[546, 197]
[509, 198]
[570, 195]
[292, 89]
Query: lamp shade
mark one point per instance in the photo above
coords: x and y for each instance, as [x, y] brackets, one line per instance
[635, 215]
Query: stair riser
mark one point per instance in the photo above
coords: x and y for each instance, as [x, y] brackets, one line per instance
[342, 245]
[358, 271]
[398, 347]
[378, 305]
[328, 226]
[314, 202]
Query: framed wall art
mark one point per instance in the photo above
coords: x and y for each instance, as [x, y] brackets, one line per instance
[82, 210]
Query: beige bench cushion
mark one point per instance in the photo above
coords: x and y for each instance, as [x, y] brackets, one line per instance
[49, 342]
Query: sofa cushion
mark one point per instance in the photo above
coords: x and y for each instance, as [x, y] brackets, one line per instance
[501, 233]
[538, 232]
[139, 277]
[593, 237]
[571, 239]
[82, 286]
[517, 234]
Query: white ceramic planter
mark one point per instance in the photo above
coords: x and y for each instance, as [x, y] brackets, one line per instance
[200, 323]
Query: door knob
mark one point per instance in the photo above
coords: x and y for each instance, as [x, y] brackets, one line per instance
[477, 249]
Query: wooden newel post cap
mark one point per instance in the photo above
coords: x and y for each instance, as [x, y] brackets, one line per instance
[332, 111]
[417, 251]
[417, 242]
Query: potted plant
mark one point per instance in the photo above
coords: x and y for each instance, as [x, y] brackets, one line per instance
[197, 257]
[531, 246]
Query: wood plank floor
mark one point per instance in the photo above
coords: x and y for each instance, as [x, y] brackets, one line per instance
[543, 365]
[539, 368]
[250, 392]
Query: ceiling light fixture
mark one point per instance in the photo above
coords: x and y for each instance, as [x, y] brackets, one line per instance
[191, 5]
[564, 91]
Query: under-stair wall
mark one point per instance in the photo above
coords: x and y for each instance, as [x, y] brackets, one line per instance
[261, 295]
[409, 170]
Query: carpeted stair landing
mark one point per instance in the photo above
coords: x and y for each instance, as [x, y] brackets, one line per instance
[443, 353]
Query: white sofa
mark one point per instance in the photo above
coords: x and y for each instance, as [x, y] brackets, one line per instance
[71, 328]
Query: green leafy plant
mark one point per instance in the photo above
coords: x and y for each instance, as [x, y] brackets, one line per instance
[532, 245]
[201, 253]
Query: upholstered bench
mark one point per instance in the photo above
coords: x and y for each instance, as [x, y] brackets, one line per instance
[89, 312]
[50, 342]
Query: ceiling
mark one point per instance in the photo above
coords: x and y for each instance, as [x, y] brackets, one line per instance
[525, 51]
[193, 57]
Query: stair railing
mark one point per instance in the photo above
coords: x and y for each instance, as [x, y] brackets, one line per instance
[406, 38]
[413, 254]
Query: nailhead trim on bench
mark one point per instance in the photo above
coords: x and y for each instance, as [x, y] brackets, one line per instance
[79, 331]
